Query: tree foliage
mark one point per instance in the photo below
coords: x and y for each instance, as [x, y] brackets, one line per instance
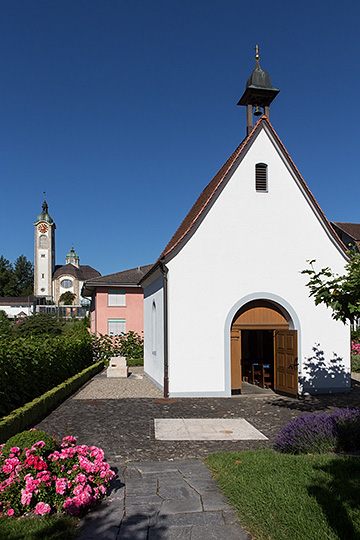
[339, 292]
[67, 298]
[39, 324]
[16, 279]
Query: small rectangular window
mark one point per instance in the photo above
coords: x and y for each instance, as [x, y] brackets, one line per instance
[116, 326]
[116, 297]
[43, 255]
[261, 177]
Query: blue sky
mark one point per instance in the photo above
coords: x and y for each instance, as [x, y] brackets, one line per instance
[122, 111]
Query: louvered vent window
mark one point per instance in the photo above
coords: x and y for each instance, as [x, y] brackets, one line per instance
[261, 177]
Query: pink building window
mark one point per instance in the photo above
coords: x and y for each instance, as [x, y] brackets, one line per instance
[116, 297]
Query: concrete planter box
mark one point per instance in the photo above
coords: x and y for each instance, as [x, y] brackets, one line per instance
[117, 368]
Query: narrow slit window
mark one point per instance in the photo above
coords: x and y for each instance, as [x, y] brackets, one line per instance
[261, 181]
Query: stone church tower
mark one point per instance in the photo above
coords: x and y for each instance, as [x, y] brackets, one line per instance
[44, 260]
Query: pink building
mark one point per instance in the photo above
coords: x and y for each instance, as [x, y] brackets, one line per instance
[117, 302]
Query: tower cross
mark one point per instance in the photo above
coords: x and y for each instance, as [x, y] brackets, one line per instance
[257, 49]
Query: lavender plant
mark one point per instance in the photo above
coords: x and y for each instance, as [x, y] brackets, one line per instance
[321, 432]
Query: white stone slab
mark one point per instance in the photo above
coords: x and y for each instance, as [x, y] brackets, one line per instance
[205, 429]
[117, 367]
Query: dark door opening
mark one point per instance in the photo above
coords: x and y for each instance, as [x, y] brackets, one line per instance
[257, 357]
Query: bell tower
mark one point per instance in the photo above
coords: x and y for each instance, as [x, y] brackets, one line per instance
[44, 260]
[259, 93]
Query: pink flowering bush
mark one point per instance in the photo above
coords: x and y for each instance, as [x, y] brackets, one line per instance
[70, 479]
[355, 347]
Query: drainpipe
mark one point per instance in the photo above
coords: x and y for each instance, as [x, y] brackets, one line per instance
[164, 271]
[95, 314]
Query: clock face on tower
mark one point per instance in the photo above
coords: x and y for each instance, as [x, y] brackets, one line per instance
[43, 227]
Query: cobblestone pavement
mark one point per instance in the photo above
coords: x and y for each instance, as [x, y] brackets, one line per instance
[124, 427]
[161, 492]
[163, 501]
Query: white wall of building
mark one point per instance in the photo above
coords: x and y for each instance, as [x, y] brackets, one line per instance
[154, 330]
[250, 245]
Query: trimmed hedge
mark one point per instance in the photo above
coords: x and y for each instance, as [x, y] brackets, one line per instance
[34, 411]
[30, 366]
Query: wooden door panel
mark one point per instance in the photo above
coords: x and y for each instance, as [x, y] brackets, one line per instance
[235, 360]
[285, 357]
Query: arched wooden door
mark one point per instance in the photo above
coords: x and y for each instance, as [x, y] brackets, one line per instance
[264, 315]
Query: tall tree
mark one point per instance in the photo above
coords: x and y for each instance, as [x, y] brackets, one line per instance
[8, 285]
[24, 274]
[16, 280]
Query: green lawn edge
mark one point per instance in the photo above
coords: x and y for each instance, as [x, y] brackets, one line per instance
[34, 411]
[291, 497]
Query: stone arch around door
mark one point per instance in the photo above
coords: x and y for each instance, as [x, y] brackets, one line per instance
[260, 312]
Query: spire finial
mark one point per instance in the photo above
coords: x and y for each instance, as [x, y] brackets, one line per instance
[257, 55]
[45, 206]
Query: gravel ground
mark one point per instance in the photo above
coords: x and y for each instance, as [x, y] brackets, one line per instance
[100, 414]
[135, 386]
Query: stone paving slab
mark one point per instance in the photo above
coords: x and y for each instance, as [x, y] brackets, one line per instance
[205, 429]
[175, 510]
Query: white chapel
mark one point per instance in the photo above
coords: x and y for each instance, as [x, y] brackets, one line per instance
[226, 303]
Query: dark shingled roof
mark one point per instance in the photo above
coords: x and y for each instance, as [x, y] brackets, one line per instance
[127, 278]
[16, 300]
[82, 273]
[208, 194]
[352, 229]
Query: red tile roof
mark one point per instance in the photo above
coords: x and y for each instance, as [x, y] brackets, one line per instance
[207, 195]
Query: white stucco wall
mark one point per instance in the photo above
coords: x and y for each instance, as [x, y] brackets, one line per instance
[250, 245]
[154, 340]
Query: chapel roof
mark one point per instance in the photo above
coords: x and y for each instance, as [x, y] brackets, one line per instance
[204, 200]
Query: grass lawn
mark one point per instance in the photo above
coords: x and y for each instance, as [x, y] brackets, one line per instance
[281, 496]
[39, 528]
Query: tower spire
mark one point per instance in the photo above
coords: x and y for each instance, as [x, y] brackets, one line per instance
[45, 207]
[259, 93]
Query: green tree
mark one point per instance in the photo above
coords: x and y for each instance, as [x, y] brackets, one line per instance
[339, 292]
[39, 323]
[16, 280]
[7, 278]
[67, 298]
[5, 324]
[24, 275]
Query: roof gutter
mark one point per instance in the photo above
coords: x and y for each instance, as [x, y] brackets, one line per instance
[164, 270]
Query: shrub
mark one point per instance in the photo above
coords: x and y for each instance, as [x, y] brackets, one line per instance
[30, 366]
[355, 363]
[321, 432]
[39, 324]
[71, 478]
[26, 439]
[130, 345]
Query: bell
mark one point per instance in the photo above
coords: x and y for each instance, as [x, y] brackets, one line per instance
[257, 111]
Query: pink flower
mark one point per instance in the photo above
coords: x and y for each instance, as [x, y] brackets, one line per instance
[39, 444]
[10, 464]
[61, 485]
[25, 497]
[10, 512]
[42, 508]
[81, 478]
[68, 441]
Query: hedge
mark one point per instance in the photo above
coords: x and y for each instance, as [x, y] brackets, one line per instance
[30, 366]
[34, 411]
